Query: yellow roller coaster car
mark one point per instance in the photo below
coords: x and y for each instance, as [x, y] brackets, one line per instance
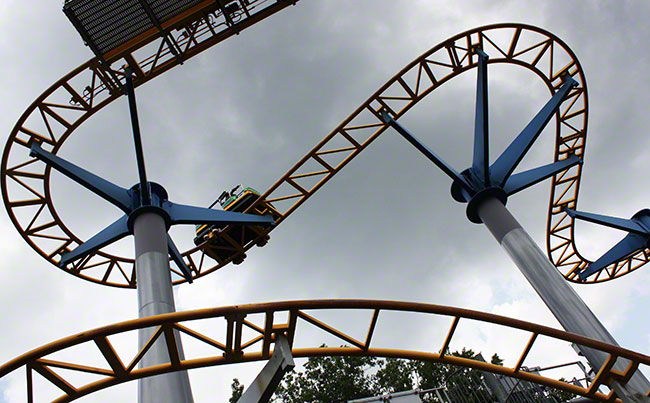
[224, 242]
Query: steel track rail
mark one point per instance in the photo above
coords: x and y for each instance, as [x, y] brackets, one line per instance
[228, 344]
[522, 45]
[518, 44]
[69, 102]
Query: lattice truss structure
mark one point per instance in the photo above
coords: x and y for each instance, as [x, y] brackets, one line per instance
[53, 117]
[62, 108]
[247, 332]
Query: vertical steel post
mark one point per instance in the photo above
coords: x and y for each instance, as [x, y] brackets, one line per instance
[155, 296]
[565, 304]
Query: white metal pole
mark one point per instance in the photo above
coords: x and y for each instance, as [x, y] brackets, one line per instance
[565, 304]
[155, 296]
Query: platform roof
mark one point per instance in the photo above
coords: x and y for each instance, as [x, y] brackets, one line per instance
[106, 25]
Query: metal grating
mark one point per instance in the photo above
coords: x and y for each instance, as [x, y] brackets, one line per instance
[105, 25]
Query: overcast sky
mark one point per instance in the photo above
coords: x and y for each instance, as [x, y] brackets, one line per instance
[385, 227]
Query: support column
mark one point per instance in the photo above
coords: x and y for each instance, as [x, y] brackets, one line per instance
[155, 296]
[565, 304]
[267, 381]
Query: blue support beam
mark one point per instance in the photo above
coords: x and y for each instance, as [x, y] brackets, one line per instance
[143, 197]
[116, 195]
[486, 190]
[515, 152]
[481, 158]
[178, 259]
[129, 201]
[523, 180]
[622, 224]
[480, 180]
[114, 232]
[145, 192]
[439, 162]
[637, 239]
[632, 243]
[183, 214]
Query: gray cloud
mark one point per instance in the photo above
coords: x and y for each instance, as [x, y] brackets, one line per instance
[248, 109]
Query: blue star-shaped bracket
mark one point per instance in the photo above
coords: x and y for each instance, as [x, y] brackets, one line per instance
[483, 180]
[637, 239]
[142, 197]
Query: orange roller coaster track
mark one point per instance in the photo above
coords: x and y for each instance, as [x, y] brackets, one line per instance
[521, 45]
[69, 102]
[229, 344]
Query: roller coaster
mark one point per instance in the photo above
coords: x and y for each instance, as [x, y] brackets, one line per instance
[73, 99]
[360, 129]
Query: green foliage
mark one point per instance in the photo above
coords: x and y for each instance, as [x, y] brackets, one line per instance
[237, 391]
[560, 395]
[394, 375]
[328, 379]
[339, 379]
[496, 360]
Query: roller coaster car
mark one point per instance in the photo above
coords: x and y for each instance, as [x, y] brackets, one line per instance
[224, 242]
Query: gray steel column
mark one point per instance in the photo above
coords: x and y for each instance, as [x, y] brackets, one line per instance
[267, 381]
[155, 297]
[565, 304]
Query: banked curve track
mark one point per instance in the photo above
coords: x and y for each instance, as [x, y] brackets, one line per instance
[247, 333]
[521, 45]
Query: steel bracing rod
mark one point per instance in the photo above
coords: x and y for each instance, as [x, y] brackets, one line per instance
[481, 160]
[523, 180]
[439, 162]
[178, 259]
[225, 14]
[117, 230]
[171, 42]
[515, 152]
[630, 244]
[267, 381]
[145, 193]
[110, 192]
[612, 222]
[184, 214]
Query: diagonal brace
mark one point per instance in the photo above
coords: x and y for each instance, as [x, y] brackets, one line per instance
[178, 259]
[439, 162]
[145, 192]
[263, 386]
[116, 195]
[523, 180]
[481, 158]
[630, 244]
[613, 222]
[117, 230]
[515, 152]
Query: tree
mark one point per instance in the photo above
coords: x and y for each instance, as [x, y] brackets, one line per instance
[394, 375]
[339, 379]
[560, 395]
[328, 379]
[496, 360]
[237, 391]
